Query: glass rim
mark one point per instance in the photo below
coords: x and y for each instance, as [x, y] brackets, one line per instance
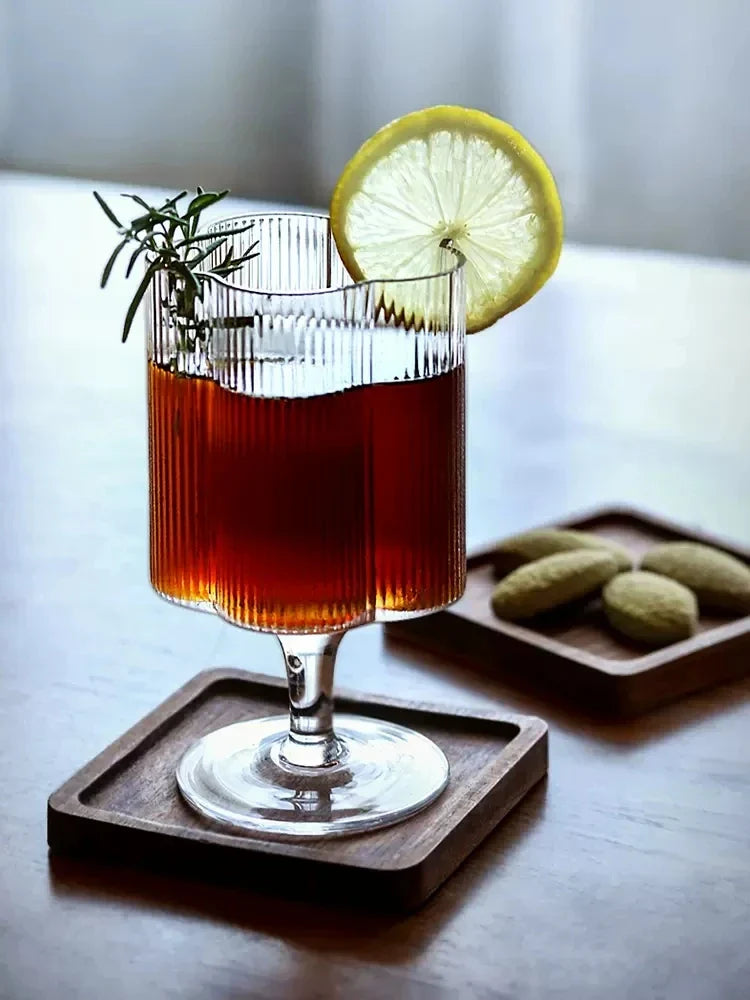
[446, 244]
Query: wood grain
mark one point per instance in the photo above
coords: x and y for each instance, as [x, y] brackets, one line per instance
[625, 874]
[124, 805]
[574, 650]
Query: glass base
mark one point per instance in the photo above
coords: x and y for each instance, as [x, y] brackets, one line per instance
[385, 773]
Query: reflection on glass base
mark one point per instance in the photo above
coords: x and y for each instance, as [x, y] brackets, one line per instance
[304, 628]
[199, 605]
[386, 773]
[390, 615]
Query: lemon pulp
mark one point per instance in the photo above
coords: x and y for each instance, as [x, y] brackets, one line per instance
[456, 173]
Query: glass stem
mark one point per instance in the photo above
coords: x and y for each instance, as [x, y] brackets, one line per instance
[310, 661]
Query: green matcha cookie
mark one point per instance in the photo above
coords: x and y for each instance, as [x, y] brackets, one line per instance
[550, 582]
[520, 549]
[650, 608]
[718, 580]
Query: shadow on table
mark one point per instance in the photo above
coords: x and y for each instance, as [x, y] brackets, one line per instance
[319, 926]
[529, 698]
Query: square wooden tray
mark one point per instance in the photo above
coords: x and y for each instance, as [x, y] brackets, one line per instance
[574, 652]
[124, 804]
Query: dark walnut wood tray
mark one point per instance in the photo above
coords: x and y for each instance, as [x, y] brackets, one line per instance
[124, 805]
[574, 652]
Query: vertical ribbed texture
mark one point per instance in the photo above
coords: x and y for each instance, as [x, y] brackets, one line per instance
[179, 408]
[179, 398]
[287, 487]
[418, 493]
[307, 465]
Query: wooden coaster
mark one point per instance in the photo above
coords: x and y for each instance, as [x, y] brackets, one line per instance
[124, 804]
[574, 651]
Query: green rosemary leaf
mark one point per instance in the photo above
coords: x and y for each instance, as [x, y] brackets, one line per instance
[172, 202]
[205, 253]
[111, 263]
[234, 265]
[203, 201]
[140, 292]
[149, 221]
[137, 198]
[167, 253]
[224, 272]
[251, 252]
[198, 238]
[158, 216]
[227, 260]
[142, 222]
[108, 211]
[153, 232]
[134, 257]
[231, 263]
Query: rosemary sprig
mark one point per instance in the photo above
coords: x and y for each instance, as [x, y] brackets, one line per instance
[172, 244]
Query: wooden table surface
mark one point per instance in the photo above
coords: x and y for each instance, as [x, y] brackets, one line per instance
[627, 874]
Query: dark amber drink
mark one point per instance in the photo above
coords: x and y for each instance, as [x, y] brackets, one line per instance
[179, 414]
[331, 510]
[289, 488]
[418, 493]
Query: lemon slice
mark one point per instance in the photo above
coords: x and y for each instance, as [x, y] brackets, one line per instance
[455, 173]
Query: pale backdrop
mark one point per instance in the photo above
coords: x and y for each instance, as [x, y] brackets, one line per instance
[640, 106]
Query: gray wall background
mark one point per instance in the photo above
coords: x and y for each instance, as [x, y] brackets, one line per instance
[640, 107]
